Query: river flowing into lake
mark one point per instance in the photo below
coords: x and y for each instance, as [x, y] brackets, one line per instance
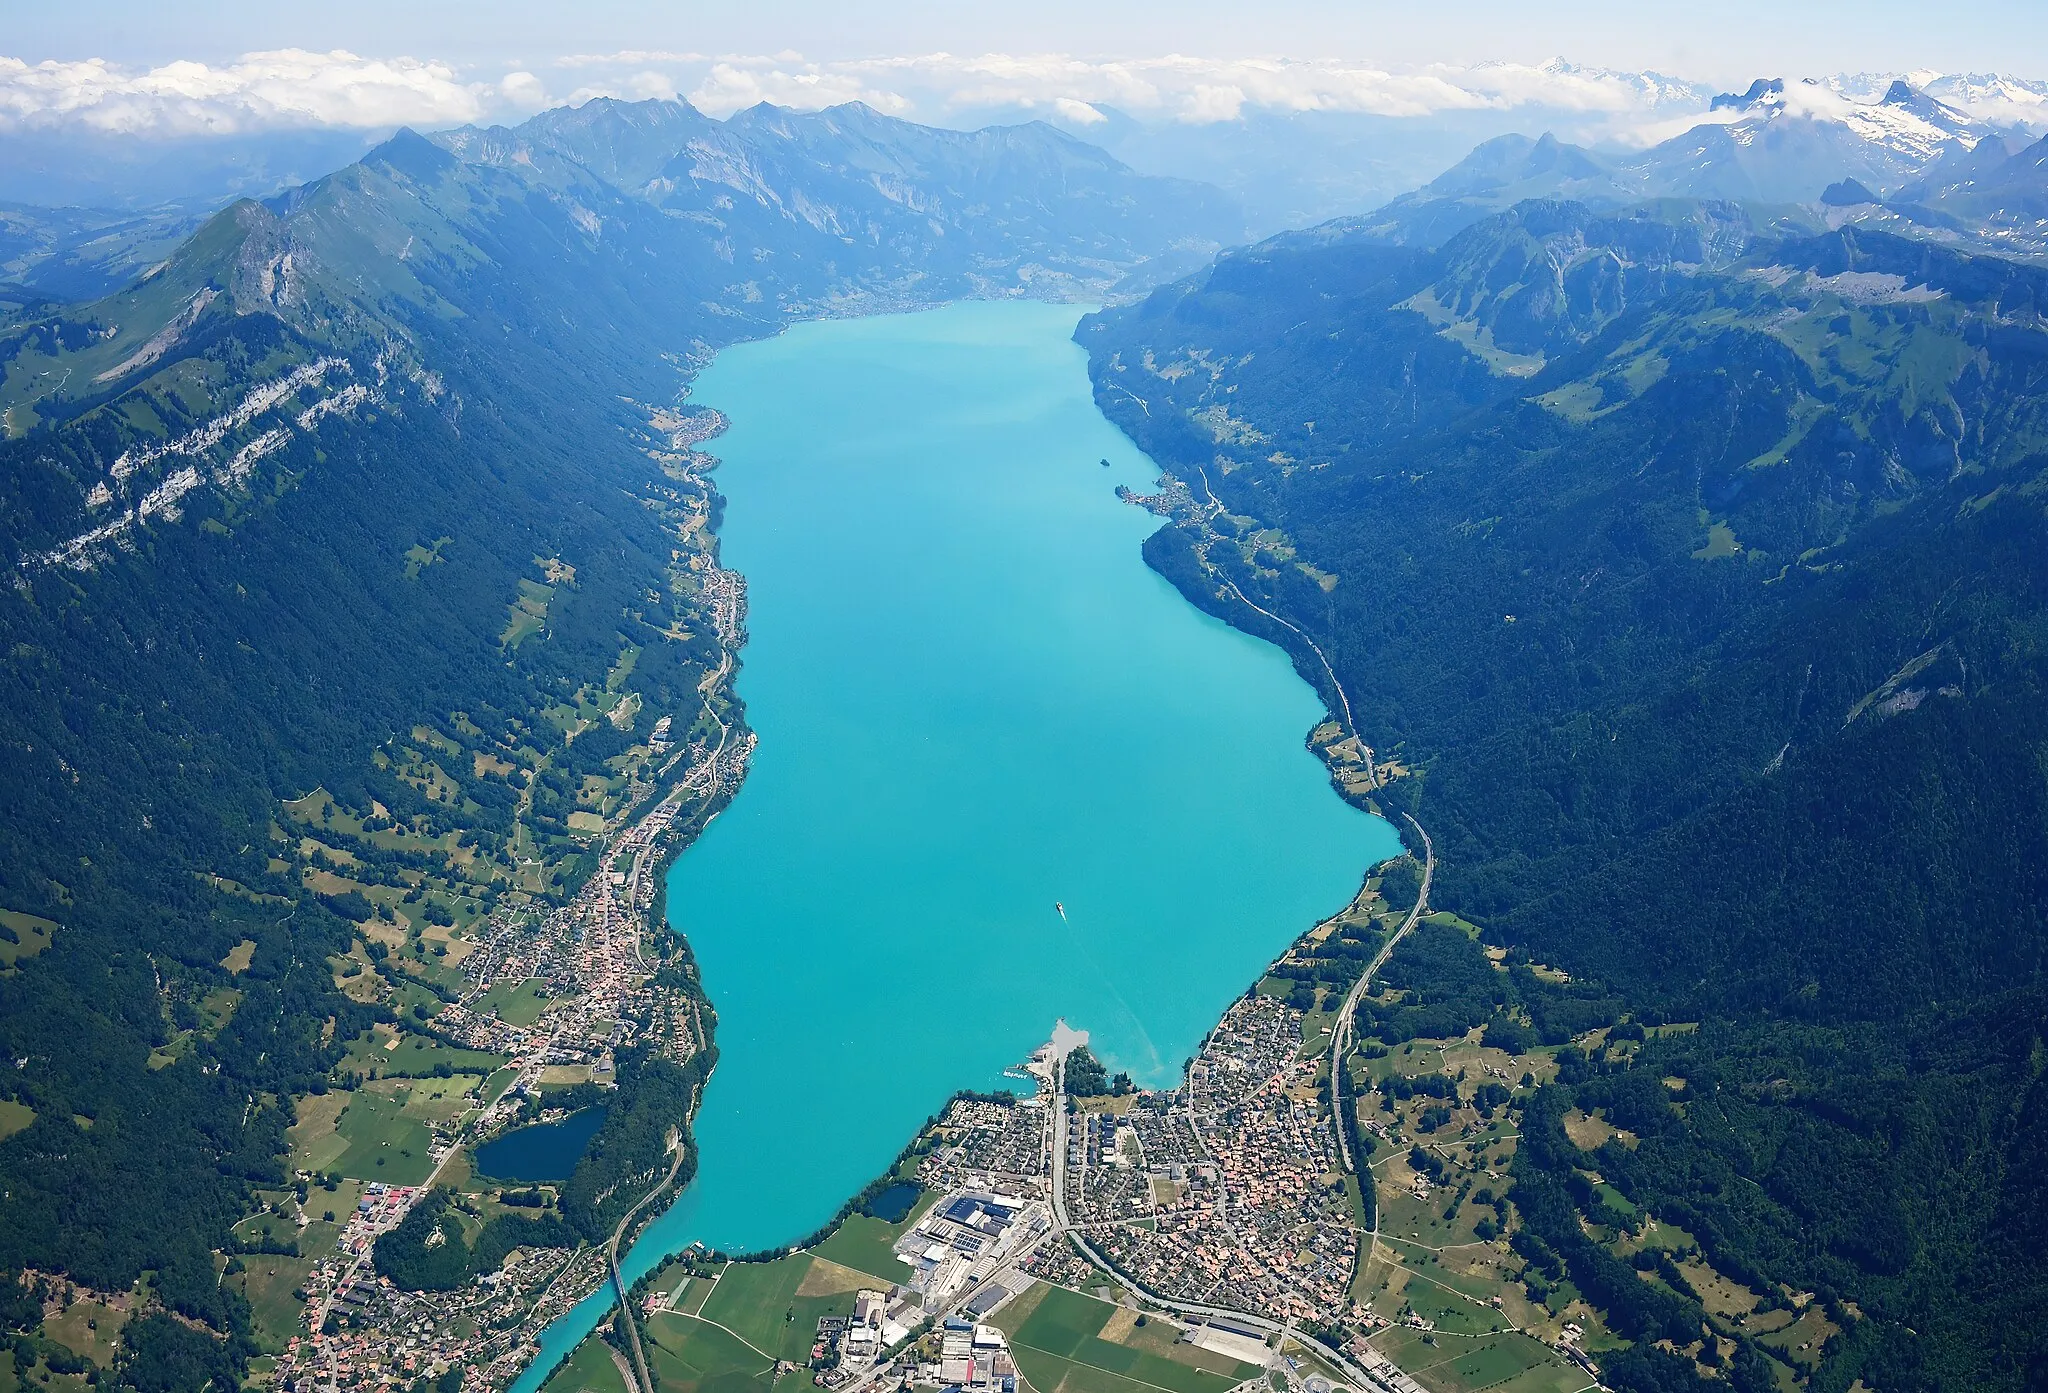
[974, 700]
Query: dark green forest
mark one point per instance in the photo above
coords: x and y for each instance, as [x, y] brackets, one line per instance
[1702, 589]
[411, 1261]
[162, 703]
[632, 1149]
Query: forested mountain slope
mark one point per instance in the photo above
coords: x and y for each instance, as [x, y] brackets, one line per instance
[1698, 572]
[350, 538]
[866, 204]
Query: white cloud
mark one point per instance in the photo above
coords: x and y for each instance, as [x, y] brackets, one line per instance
[651, 86]
[287, 87]
[628, 58]
[1204, 89]
[1210, 103]
[294, 87]
[524, 92]
[736, 83]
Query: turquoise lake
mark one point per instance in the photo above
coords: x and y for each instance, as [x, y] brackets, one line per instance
[973, 700]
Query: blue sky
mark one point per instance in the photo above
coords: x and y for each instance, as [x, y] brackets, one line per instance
[1718, 41]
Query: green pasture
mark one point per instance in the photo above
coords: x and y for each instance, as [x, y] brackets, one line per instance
[516, 1003]
[865, 1244]
[692, 1356]
[1509, 1362]
[1055, 1335]
[755, 1299]
[381, 1141]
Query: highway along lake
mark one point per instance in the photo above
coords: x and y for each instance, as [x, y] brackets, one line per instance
[973, 700]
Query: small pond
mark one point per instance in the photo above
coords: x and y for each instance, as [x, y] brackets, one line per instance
[893, 1203]
[544, 1151]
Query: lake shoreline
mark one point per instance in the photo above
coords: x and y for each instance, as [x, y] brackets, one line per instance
[673, 847]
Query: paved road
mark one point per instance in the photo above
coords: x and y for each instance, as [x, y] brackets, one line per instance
[1343, 700]
[611, 1254]
[1340, 1038]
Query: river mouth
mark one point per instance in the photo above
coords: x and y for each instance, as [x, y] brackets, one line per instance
[1006, 773]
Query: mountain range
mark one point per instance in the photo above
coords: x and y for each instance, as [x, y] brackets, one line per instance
[1768, 145]
[625, 224]
[800, 183]
[1307, 142]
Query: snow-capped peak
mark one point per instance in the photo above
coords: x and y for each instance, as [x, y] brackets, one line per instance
[1992, 99]
[1898, 117]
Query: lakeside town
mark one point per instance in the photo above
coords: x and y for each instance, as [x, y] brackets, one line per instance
[1216, 1224]
[1218, 1191]
[989, 1240]
[594, 977]
[591, 961]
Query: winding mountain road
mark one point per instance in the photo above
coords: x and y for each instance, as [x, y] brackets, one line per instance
[1343, 698]
[1340, 1037]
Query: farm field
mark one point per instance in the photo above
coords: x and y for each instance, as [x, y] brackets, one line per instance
[691, 1356]
[776, 1306]
[268, 1281]
[438, 1100]
[755, 1301]
[314, 1145]
[88, 1328]
[1503, 1363]
[864, 1244]
[516, 1003]
[1068, 1343]
[374, 1138]
[414, 1056]
[694, 1291]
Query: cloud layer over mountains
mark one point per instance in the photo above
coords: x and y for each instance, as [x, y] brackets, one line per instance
[1177, 87]
[260, 91]
[1295, 141]
[295, 88]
